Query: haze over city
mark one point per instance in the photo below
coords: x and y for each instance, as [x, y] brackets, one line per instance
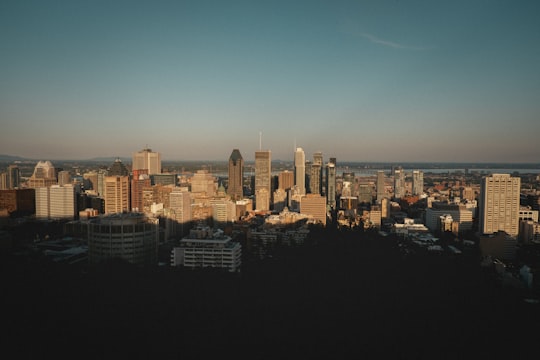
[357, 80]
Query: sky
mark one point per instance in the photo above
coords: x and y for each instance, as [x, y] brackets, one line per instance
[390, 81]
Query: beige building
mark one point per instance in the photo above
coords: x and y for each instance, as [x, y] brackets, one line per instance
[117, 192]
[499, 204]
[314, 205]
[263, 172]
[147, 159]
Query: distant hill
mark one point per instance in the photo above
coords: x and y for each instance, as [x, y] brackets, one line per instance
[110, 159]
[4, 157]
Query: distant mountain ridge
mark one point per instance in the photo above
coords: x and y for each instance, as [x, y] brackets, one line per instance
[4, 157]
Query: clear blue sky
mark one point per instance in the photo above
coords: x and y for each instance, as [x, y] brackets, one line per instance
[358, 80]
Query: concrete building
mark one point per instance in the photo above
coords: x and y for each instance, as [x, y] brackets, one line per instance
[147, 159]
[417, 182]
[399, 183]
[139, 181]
[331, 183]
[300, 170]
[381, 186]
[529, 231]
[203, 182]
[235, 188]
[56, 202]
[315, 206]
[316, 180]
[499, 204]
[285, 180]
[13, 177]
[459, 213]
[44, 175]
[117, 193]
[18, 201]
[204, 247]
[131, 236]
[263, 171]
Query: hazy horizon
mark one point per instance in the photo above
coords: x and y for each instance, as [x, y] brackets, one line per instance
[378, 81]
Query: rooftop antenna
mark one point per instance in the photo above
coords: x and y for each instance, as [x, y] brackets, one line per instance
[260, 140]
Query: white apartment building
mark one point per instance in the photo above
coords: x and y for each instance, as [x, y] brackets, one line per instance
[205, 247]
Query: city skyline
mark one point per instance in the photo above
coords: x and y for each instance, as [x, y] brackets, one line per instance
[376, 81]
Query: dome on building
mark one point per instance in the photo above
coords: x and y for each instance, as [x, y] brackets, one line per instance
[118, 169]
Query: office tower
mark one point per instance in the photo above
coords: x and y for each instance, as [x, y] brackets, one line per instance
[331, 183]
[381, 193]
[263, 171]
[102, 173]
[64, 178]
[203, 182]
[365, 194]
[180, 206]
[44, 175]
[147, 159]
[499, 204]
[315, 181]
[90, 181]
[280, 200]
[118, 169]
[285, 180]
[117, 194]
[315, 206]
[55, 202]
[139, 181]
[235, 188]
[417, 182]
[13, 177]
[399, 183]
[300, 170]
[129, 236]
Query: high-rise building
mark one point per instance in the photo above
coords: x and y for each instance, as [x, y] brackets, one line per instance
[139, 181]
[285, 180]
[55, 202]
[203, 182]
[180, 206]
[147, 159]
[13, 177]
[44, 175]
[315, 206]
[235, 188]
[117, 194]
[381, 192]
[300, 170]
[64, 178]
[263, 171]
[399, 183]
[118, 169]
[331, 183]
[417, 182]
[315, 181]
[499, 204]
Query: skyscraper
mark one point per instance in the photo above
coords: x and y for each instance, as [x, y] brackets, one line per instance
[13, 177]
[44, 175]
[263, 171]
[331, 183]
[399, 183]
[499, 204]
[236, 175]
[417, 182]
[380, 186]
[139, 181]
[285, 180]
[300, 170]
[55, 202]
[117, 194]
[147, 159]
[315, 181]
